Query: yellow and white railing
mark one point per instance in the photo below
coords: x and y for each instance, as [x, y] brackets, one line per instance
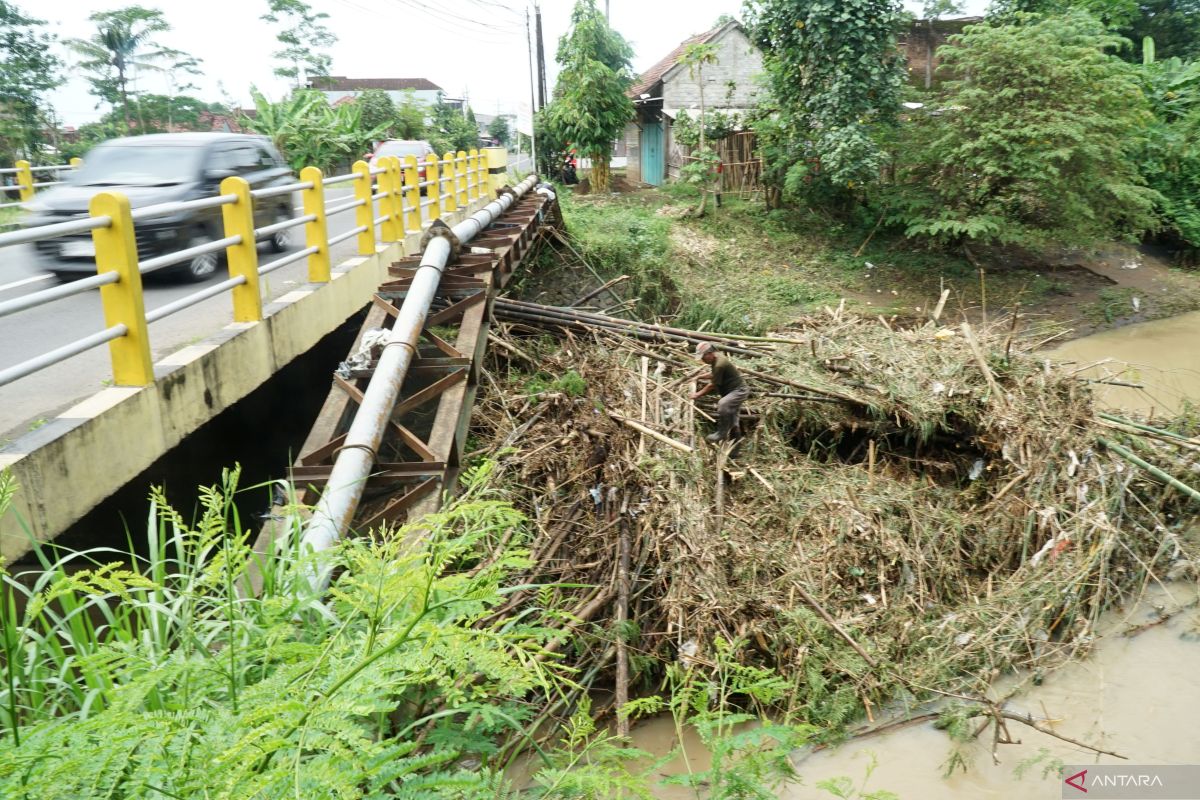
[27, 183]
[387, 204]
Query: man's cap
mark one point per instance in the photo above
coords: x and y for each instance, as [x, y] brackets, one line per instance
[704, 347]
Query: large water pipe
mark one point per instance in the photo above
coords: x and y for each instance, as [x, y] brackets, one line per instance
[354, 461]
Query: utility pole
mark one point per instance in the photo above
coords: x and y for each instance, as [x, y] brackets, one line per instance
[532, 107]
[541, 56]
[607, 18]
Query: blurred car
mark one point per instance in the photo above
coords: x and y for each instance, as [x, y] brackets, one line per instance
[405, 147]
[163, 168]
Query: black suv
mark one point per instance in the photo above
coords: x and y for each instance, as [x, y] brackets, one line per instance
[163, 168]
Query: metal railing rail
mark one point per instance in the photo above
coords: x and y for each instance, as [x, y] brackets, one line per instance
[25, 185]
[392, 186]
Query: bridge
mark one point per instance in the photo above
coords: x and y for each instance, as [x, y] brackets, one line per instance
[72, 462]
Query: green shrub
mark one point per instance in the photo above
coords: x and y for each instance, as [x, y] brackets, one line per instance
[1036, 148]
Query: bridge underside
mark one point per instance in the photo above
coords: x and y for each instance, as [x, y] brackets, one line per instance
[419, 459]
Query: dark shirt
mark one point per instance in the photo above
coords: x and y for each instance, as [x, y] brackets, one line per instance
[725, 376]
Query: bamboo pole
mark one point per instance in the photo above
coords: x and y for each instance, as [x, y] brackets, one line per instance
[1167, 478]
[829, 620]
[653, 434]
[597, 291]
[622, 691]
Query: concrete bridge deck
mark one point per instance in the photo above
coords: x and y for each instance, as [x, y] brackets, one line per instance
[67, 467]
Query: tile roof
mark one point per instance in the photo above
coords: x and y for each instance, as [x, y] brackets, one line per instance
[340, 83]
[653, 75]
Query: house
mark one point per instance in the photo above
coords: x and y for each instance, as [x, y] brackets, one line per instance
[669, 87]
[919, 45]
[339, 87]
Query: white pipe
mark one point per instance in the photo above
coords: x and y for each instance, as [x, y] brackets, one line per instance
[343, 491]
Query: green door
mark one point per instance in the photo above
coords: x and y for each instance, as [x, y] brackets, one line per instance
[652, 153]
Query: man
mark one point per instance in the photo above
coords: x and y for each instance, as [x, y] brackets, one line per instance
[729, 385]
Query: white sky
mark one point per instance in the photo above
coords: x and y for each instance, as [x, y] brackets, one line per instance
[382, 39]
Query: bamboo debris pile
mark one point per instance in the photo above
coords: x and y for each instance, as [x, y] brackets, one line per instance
[912, 509]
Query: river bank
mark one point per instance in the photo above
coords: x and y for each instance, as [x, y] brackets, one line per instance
[745, 269]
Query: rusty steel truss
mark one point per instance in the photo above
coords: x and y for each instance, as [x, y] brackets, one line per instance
[420, 457]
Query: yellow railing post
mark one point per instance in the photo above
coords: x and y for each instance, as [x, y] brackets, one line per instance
[76, 162]
[412, 195]
[364, 213]
[316, 233]
[449, 202]
[485, 187]
[473, 175]
[397, 194]
[24, 181]
[460, 166]
[434, 189]
[387, 230]
[497, 159]
[243, 256]
[116, 251]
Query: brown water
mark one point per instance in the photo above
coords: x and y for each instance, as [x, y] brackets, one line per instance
[1163, 354]
[1138, 696]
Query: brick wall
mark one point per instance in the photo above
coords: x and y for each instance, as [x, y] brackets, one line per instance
[729, 83]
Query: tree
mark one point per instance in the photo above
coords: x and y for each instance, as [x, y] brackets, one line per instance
[1037, 146]
[590, 109]
[695, 56]
[178, 67]
[1173, 24]
[302, 37]
[498, 129]
[450, 131]
[932, 11]
[161, 113]
[123, 43]
[410, 118]
[380, 112]
[28, 70]
[834, 73]
[377, 109]
[1170, 157]
[310, 132]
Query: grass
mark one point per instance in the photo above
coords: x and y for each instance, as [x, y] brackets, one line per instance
[9, 216]
[1112, 304]
[744, 269]
[159, 672]
[570, 383]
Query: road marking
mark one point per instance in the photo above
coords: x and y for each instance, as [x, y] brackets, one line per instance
[34, 279]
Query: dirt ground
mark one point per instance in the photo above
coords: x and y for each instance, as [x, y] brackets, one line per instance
[617, 185]
[1121, 285]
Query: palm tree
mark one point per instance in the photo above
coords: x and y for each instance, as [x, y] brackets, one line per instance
[122, 43]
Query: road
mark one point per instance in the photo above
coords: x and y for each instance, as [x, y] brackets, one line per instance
[26, 402]
[520, 163]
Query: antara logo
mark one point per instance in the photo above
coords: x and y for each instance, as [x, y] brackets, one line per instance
[1077, 780]
[1127, 780]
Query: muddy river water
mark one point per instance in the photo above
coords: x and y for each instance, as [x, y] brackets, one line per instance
[1138, 696]
[1163, 355]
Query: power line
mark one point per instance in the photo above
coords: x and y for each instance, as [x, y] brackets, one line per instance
[493, 4]
[442, 23]
[457, 19]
